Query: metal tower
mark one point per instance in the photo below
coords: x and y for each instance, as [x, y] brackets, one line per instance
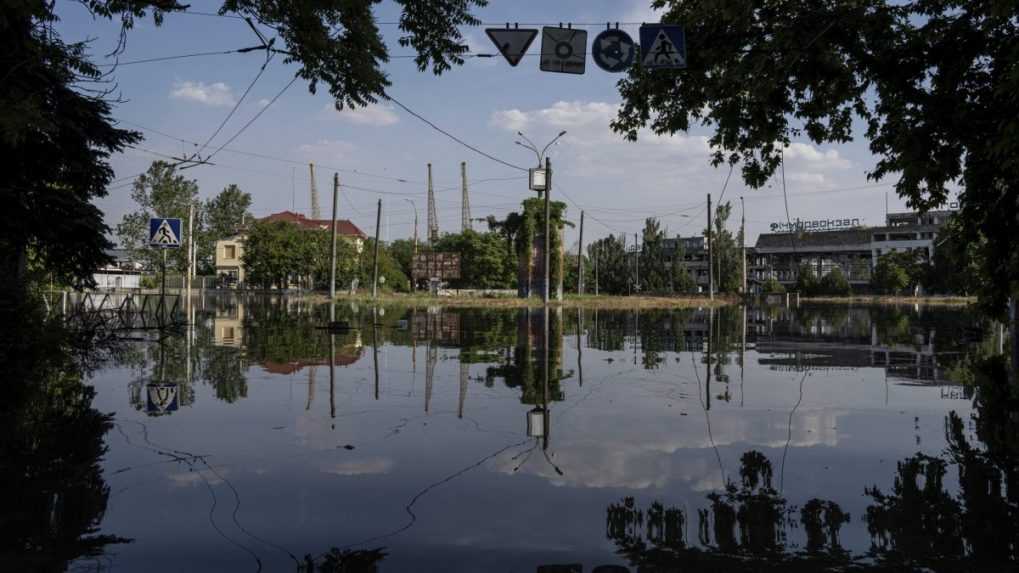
[465, 210]
[433, 219]
[316, 213]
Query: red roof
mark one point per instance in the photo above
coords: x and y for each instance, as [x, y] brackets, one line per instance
[343, 226]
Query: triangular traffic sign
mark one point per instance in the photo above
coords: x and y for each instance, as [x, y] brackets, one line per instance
[663, 52]
[165, 235]
[512, 42]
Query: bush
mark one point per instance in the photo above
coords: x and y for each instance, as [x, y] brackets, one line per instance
[772, 286]
[806, 281]
[835, 283]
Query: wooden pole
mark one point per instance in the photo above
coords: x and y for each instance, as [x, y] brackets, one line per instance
[332, 251]
[375, 263]
[580, 258]
[711, 264]
[743, 243]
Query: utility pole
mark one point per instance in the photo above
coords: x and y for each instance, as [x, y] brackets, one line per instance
[191, 246]
[548, 232]
[597, 255]
[711, 265]
[332, 254]
[316, 213]
[580, 258]
[433, 220]
[743, 242]
[465, 202]
[637, 247]
[375, 263]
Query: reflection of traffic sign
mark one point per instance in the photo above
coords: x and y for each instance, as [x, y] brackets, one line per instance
[164, 233]
[662, 46]
[161, 398]
[613, 50]
[563, 50]
[513, 43]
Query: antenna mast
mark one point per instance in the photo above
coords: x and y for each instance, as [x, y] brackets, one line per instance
[465, 211]
[433, 220]
[316, 213]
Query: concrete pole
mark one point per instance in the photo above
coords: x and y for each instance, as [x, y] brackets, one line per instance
[191, 247]
[375, 263]
[711, 264]
[332, 251]
[580, 258]
[597, 255]
[548, 230]
[743, 243]
[637, 247]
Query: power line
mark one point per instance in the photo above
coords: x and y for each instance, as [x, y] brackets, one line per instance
[253, 119]
[176, 57]
[237, 105]
[453, 137]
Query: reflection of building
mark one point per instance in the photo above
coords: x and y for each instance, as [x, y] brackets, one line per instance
[228, 325]
[230, 251]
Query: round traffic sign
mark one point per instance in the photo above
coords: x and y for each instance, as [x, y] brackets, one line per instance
[613, 50]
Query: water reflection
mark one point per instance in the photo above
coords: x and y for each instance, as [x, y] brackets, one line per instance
[726, 439]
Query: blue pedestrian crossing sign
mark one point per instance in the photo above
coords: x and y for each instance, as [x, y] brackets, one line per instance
[662, 46]
[164, 233]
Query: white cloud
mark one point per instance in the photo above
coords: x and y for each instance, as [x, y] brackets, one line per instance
[363, 467]
[378, 115]
[510, 119]
[814, 156]
[214, 94]
[263, 102]
[327, 150]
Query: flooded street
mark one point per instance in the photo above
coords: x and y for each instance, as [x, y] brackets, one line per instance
[458, 440]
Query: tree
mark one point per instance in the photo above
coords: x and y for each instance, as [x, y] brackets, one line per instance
[402, 251]
[275, 252]
[56, 137]
[57, 131]
[835, 283]
[682, 281]
[772, 286]
[654, 273]
[484, 261]
[726, 252]
[932, 82]
[613, 271]
[392, 277]
[807, 282]
[889, 277]
[227, 212]
[162, 192]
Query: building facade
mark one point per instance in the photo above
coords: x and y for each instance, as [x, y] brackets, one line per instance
[229, 257]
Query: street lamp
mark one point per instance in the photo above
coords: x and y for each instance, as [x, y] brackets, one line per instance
[541, 180]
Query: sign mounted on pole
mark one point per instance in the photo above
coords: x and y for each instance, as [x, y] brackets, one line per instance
[563, 50]
[512, 43]
[164, 233]
[662, 46]
[613, 50]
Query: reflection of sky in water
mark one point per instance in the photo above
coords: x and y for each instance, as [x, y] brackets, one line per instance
[284, 474]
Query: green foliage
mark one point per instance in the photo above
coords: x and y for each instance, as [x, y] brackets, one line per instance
[835, 283]
[528, 225]
[889, 277]
[609, 255]
[957, 266]
[926, 81]
[56, 138]
[484, 260]
[772, 286]
[278, 252]
[654, 273]
[389, 269]
[226, 212]
[402, 251]
[162, 192]
[726, 248]
[807, 282]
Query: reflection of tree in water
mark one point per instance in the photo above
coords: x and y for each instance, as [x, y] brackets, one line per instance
[524, 365]
[344, 561]
[52, 492]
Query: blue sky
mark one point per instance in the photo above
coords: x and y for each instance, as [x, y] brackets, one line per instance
[484, 102]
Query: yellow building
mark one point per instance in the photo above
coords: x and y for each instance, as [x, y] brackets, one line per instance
[229, 263]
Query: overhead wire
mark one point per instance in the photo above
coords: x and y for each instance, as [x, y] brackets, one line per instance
[253, 119]
[237, 104]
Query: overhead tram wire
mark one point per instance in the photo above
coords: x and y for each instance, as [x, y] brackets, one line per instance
[237, 105]
[253, 119]
[453, 137]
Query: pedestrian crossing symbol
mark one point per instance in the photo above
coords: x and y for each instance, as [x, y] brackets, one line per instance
[164, 233]
[662, 46]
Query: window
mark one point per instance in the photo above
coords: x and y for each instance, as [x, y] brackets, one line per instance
[230, 252]
[880, 237]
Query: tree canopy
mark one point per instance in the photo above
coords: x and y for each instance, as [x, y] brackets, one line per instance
[930, 84]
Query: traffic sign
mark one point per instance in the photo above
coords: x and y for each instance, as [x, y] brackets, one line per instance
[164, 233]
[613, 50]
[563, 50]
[662, 46]
[161, 398]
[512, 43]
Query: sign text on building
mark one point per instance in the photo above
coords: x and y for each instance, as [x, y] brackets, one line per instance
[816, 225]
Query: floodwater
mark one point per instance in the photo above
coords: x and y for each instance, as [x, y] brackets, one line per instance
[448, 439]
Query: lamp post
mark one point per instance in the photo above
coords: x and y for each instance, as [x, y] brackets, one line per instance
[542, 181]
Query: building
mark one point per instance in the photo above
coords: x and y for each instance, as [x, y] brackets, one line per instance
[694, 257]
[855, 250]
[123, 273]
[229, 257]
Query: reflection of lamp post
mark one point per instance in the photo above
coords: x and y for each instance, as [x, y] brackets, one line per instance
[542, 180]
